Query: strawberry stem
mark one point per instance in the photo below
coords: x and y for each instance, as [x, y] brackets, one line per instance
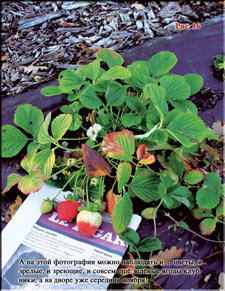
[87, 192]
[74, 138]
[138, 253]
[71, 177]
[82, 185]
[103, 183]
[64, 148]
[58, 172]
[101, 188]
[77, 177]
[66, 167]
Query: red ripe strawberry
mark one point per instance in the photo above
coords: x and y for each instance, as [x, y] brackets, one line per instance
[88, 222]
[67, 209]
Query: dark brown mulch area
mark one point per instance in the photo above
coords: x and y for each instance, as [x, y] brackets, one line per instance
[41, 38]
[207, 98]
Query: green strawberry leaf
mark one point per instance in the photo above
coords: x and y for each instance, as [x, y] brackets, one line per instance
[101, 85]
[159, 136]
[140, 75]
[115, 94]
[193, 177]
[187, 127]
[89, 71]
[130, 236]
[44, 161]
[168, 178]
[29, 117]
[123, 174]
[175, 89]
[176, 164]
[144, 185]
[131, 119]
[202, 213]
[167, 200]
[156, 94]
[13, 140]
[60, 125]
[135, 104]
[34, 146]
[184, 225]
[109, 56]
[43, 135]
[122, 213]
[207, 198]
[51, 91]
[89, 98]
[116, 72]
[73, 96]
[184, 105]
[149, 244]
[69, 81]
[209, 195]
[210, 134]
[183, 195]
[194, 81]
[73, 110]
[76, 122]
[220, 209]
[212, 181]
[161, 63]
[208, 225]
[152, 118]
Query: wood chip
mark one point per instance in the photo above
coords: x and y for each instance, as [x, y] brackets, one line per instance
[27, 23]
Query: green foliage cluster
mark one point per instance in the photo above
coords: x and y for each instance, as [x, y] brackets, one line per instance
[145, 98]
[219, 64]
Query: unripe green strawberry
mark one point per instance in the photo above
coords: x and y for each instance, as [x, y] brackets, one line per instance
[88, 222]
[67, 209]
[100, 205]
[47, 206]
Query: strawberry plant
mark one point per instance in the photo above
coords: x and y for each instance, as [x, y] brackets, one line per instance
[126, 132]
[219, 64]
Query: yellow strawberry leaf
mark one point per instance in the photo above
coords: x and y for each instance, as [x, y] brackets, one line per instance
[15, 206]
[208, 225]
[143, 156]
[119, 145]
[12, 180]
[31, 182]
